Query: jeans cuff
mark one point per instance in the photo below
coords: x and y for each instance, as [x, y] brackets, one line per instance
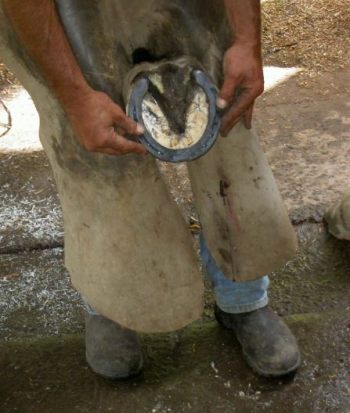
[244, 308]
[88, 308]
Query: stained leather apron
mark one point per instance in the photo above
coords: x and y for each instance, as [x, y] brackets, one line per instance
[127, 248]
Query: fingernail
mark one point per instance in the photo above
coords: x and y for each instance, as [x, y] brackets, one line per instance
[140, 129]
[221, 103]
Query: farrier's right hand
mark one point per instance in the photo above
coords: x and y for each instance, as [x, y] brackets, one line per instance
[102, 126]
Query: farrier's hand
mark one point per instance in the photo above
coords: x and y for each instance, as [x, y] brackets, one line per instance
[243, 83]
[102, 126]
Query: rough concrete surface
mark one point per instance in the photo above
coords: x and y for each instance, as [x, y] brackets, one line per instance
[199, 369]
[30, 214]
[306, 134]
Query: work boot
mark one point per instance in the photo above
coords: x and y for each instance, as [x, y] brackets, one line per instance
[268, 345]
[112, 351]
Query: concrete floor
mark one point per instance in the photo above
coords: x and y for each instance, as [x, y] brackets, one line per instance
[200, 369]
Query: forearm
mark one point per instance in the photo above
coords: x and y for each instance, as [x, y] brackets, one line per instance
[39, 28]
[245, 20]
[243, 71]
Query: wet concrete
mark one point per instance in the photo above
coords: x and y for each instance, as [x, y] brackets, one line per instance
[199, 369]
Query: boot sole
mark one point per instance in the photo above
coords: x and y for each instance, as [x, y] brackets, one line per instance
[116, 377]
[275, 374]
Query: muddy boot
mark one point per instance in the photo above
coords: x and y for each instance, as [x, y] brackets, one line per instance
[268, 345]
[112, 351]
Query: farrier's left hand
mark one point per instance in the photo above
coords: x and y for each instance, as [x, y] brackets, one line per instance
[243, 83]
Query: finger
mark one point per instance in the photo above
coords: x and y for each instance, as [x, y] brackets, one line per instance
[225, 133]
[124, 145]
[244, 101]
[226, 93]
[248, 116]
[221, 103]
[129, 126]
[108, 151]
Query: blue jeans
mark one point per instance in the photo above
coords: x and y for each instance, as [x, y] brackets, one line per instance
[233, 297]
